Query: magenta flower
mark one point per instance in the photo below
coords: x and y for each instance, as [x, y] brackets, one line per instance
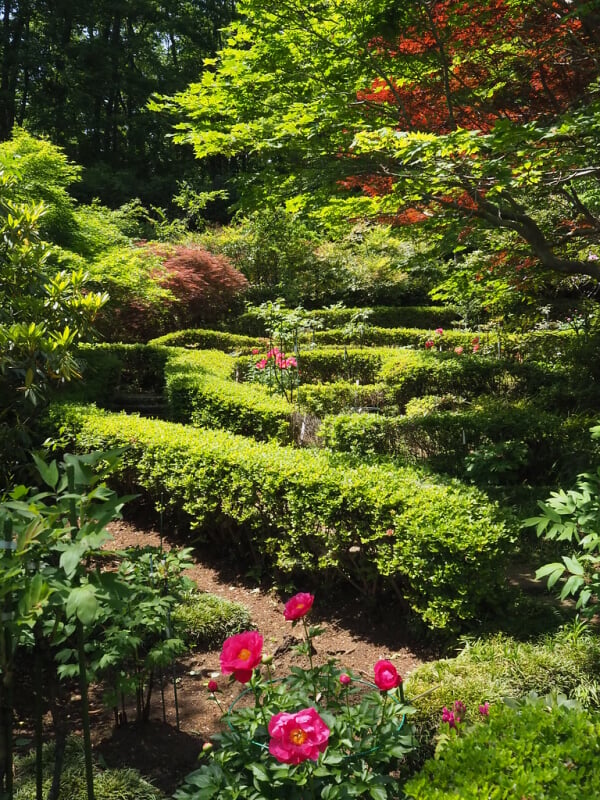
[213, 686]
[299, 605]
[439, 331]
[448, 716]
[484, 709]
[475, 348]
[291, 362]
[386, 676]
[297, 737]
[460, 710]
[345, 679]
[255, 351]
[261, 364]
[240, 654]
[429, 343]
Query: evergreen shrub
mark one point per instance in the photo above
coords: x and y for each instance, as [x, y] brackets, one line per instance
[532, 751]
[439, 545]
[199, 390]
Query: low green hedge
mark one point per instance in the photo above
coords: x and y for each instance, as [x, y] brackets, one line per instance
[200, 391]
[106, 368]
[333, 398]
[202, 339]
[466, 442]
[251, 324]
[330, 364]
[526, 752]
[440, 545]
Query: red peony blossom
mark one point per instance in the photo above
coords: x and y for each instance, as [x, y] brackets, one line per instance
[297, 737]
[255, 351]
[345, 679]
[299, 605]
[213, 686]
[386, 676]
[429, 343]
[240, 654]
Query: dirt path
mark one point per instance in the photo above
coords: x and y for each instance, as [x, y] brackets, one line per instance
[354, 636]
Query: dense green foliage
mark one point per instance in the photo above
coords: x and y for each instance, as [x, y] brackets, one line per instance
[525, 751]
[200, 391]
[306, 511]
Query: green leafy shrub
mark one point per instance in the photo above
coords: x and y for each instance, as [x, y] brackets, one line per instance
[440, 545]
[109, 368]
[331, 364]
[573, 517]
[274, 249]
[200, 391]
[423, 317]
[109, 784]
[333, 398]
[208, 340]
[206, 620]
[471, 442]
[529, 751]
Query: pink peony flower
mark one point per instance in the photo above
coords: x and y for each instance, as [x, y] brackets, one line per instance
[240, 654]
[429, 343]
[299, 605]
[213, 686]
[389, 532]
[291, 362]
[448, 716]
[484, 709]
[255, 351]
[386, 676]
[345, 679]
[297, 737]
[261, 364]
[439, 331]
[459, 350]
[475, 348]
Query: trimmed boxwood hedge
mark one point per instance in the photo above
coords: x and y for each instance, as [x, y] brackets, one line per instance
[555, 446]
[527, 752]
[441, 545]
[251, 324]
[202, 339]
[199, 391]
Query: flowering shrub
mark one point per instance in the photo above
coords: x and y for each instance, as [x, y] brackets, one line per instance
[319, 732]
[278, 371]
